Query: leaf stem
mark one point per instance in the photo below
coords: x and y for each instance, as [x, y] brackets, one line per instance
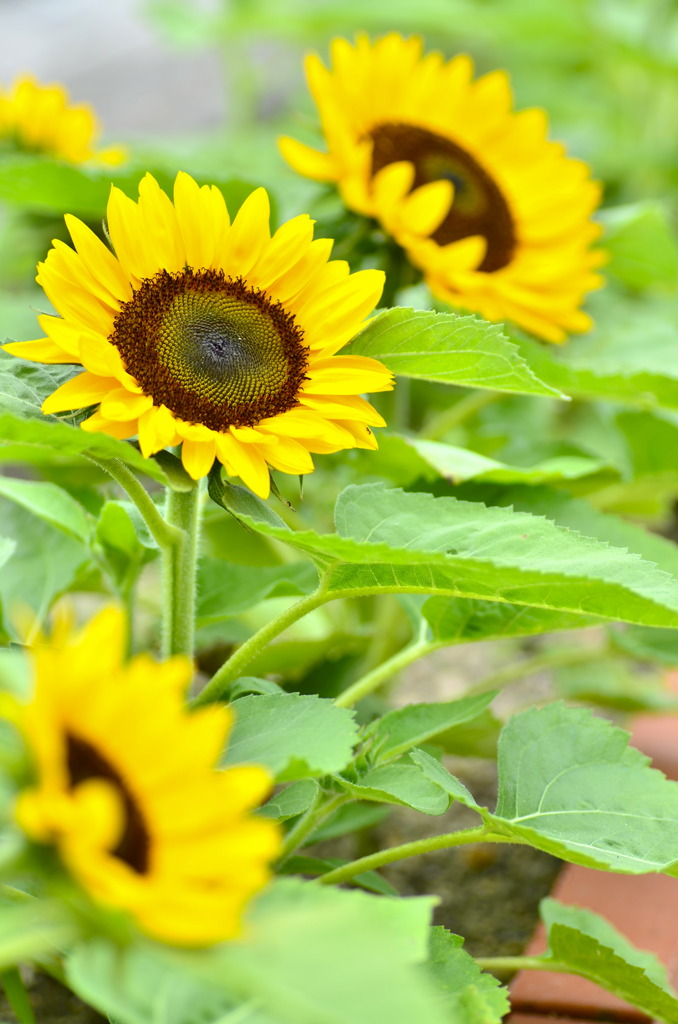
[480, 834]
[234, 667]
[182, 513]
[17, 996]
[318, 812]
[373, 679]
[503, 964]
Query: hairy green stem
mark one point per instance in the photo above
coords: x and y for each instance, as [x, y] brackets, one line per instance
[17, 996]
[234, 667]
[480, 834]
[164, 534]
[182, 513]
[373, 680]
[316, 814]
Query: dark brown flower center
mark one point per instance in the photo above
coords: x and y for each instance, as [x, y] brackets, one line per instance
[479, 208]
[85, 762]
[211, 349]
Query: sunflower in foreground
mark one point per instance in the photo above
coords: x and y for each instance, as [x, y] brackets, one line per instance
[39, 118]
[495, 215]
[126, 789]
[211, 334]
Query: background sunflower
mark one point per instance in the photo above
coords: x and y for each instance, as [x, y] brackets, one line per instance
[496, 217]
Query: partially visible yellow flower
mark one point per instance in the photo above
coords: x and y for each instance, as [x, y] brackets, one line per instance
[211, 334]
[40, 119]
[497, 217]
[126, 788]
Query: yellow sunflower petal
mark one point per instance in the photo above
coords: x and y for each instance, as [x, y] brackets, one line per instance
[79, 392]
[246, 462]
[197, 457]
[43, 350]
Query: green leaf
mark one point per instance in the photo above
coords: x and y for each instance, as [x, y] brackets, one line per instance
[62, 439]
[455, 620]
[403, 784]
[251, 684]
[569, 784]
[471, 996]
[294, 736]
[395, 542]
[450, 348]
[43, 565]
[584, 943]
[31, 930]
[609, 683]
[227, 589]
[399, 731]
[632, 356]
[291, 801]
[641, 245]
[437, 773]
[406, 459]
[48, 502]
[351, 818]
[312, 955]
[660, 645]
[46, 186]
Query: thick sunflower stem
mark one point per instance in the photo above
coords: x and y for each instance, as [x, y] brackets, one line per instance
[180, 559]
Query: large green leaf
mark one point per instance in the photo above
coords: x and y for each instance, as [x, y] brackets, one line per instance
[472, 997]
[450, 348]
[62, 439]
[584, 943]
[226, 589]
[570, 784]
[391, 541]
[295, 736]
[312, 955]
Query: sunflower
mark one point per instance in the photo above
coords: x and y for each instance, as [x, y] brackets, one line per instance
[126, 789]
[495, 215]
[211, 334]
[40, 119]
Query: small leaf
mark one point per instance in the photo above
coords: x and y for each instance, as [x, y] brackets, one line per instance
[437, 773]
[471, 996]
[398, 731]
[291, 801]
[403, 784]
[294, 736]
[586, 944]
[448, 347]
[251, 684]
